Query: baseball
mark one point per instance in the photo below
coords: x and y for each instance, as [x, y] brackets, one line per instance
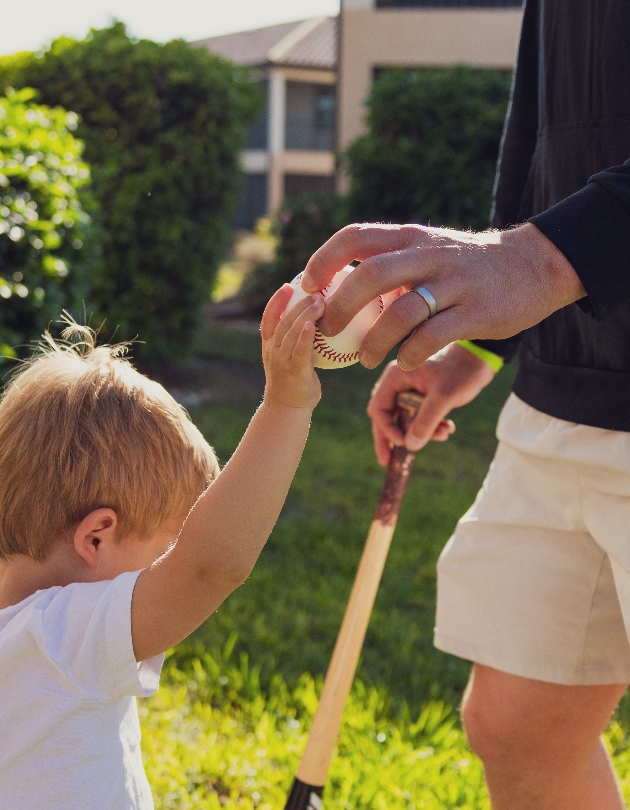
[342, 349]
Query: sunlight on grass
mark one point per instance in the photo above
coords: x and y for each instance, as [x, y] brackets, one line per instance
[212, 740]
[248, 250]
[227, 283]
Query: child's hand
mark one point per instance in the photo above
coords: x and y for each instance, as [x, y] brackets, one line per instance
[287, 341]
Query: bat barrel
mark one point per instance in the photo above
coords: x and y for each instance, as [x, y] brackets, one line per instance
[315, 761]
[313, 769]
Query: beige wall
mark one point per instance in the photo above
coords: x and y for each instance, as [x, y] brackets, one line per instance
[281, 161]
[413, 38]
[295, 162]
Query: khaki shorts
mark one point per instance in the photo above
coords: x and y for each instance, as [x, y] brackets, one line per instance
[535, 580]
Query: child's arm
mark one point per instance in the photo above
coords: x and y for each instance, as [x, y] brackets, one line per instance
[228, 526]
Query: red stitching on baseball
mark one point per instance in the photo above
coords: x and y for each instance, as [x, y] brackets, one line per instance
[326, 351]
[321, 347]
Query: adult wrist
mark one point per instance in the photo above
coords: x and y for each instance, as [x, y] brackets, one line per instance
[557, 276]
[495, 361]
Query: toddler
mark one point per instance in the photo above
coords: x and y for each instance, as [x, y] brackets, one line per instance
[99, 469]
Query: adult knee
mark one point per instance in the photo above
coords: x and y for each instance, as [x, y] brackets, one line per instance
[491, 734]
[499, 728]
[516, 722]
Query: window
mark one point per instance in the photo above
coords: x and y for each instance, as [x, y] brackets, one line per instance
[257, 135]
[310, 122]
[253, 202]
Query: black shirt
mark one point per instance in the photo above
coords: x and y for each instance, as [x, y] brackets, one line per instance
[569, 120]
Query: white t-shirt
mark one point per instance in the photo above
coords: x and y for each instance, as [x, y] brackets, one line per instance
[69, 729]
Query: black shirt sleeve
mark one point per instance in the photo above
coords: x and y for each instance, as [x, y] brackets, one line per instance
[592, 229]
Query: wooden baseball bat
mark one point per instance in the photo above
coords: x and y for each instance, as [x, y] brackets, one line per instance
[312, 772]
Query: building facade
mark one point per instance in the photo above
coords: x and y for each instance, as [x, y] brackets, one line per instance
[316, 76]
[379, 34]
[291, 147]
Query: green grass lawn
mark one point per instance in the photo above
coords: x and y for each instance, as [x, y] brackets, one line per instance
[213, 738]
[228, 726]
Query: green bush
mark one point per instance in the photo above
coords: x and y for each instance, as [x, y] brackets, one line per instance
[163, 126]
[304, 223]
[42, 217]
[431, 149]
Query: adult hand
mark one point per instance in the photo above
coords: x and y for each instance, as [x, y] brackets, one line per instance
[449, 379]
[487, 285]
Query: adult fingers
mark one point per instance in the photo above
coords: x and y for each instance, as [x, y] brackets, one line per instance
[428, 423]
[354, 242]
[434, 334]
[382, 445]
[444, 431]
[382, 416]
[382, 274]
[400, 318]
[273, 311]
[382, 405]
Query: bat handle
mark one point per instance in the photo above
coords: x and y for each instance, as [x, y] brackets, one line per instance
[401, 459]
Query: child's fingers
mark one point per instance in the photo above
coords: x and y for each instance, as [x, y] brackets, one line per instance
[274, 311]
[311, 312]
[310, 308]
[303, 348]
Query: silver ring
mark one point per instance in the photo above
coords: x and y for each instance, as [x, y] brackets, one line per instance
[429, 300]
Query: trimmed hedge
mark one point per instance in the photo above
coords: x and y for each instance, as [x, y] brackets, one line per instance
[431, 150]
[163, 126]
[43, 221]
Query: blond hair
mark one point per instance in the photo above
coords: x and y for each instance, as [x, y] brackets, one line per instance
[81, 429]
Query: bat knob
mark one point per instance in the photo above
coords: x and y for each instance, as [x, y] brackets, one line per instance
[304, 797]
[408, 403]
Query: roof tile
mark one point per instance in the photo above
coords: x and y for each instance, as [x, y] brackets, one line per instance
[316, 48]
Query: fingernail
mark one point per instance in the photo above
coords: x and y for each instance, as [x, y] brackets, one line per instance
[307, 284]
[413, 443]
[402, 365]
[365, 361]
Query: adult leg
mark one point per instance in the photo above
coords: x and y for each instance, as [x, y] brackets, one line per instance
[540, 742]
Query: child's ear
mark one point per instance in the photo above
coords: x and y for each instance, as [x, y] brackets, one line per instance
[96, 529]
